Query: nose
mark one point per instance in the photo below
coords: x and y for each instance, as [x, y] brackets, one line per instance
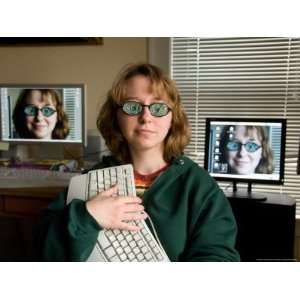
[242, 151]
[39, 116]
[145, 115]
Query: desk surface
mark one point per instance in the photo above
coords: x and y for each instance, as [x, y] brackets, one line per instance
[272, 198]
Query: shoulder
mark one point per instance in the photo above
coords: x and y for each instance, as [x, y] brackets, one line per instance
[195, 177]
[188, 166]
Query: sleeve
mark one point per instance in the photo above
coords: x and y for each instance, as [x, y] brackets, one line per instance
[65, 232]
[213, 228]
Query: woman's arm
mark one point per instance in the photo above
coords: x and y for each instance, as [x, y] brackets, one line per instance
[66, 232]
[213, 229]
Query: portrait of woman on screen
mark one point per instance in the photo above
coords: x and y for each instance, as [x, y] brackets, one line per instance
[39, 114]
[246, 150]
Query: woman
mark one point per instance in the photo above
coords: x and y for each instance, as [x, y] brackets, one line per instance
[39, 114]
[246, 150]
[143, 123]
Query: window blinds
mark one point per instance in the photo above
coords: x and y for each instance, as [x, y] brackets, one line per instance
[241, 77]
[72, 106]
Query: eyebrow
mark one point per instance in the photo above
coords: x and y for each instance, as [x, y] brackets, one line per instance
[248, 140]
[139, 100]
[48, 104]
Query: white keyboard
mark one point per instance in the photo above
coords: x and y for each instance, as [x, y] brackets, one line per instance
[117, 245]
[25, 177]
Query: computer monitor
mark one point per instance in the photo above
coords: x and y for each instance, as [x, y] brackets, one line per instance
[42, 113]
[245, 150]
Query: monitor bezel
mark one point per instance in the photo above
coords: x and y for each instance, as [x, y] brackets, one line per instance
[279, 181]
[50, 86]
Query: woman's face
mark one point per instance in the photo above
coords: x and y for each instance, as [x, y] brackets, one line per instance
[246, 155]
[144, 132]
[40, 123]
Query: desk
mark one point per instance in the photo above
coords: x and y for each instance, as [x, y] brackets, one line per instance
[19, 213]
[266, 229]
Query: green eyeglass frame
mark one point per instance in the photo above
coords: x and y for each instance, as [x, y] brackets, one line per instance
[236, 146]
[32, 111]
[134, 108]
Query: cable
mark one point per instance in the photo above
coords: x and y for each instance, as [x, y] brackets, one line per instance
[154, 231]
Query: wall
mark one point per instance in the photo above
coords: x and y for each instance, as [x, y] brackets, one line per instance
[96, 66]
[159, 52]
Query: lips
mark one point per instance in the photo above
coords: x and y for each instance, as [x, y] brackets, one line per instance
[145, 131]
[39, 126]
[241, 162]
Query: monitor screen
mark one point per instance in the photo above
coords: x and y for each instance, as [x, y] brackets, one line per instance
[43, 113]
[251, 150]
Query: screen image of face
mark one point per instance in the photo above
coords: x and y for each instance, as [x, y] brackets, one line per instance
[245, 150]
[42, 114]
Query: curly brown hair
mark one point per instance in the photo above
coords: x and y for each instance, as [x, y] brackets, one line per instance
[179, 134]
[61, 129]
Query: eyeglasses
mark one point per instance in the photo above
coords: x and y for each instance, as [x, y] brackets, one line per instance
[134, 108]
[32, 111]
[236, 146]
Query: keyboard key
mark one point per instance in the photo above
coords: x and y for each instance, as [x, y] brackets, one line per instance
[129, 238]
[116, 244]
[112, 238]
[159, 256]
[148, 256]
[120, 237]
[124, 243]
[127, 250]
[102, 239]
[140, 257]
[123, 257]
[131, 256]
[136, 250]
[144, 249]
[119, 250]
[115, 259]
[132, 244]
[110, 252]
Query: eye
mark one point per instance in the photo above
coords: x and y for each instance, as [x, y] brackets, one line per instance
[233, 146]
[30, 110]
[47, 111]
[251, 147]
[132, 108]
[159, 109]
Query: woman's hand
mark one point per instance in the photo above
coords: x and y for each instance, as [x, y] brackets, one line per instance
[114, 212]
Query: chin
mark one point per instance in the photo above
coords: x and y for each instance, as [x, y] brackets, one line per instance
[244, 172]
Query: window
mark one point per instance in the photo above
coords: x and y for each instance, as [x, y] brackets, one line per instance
[245, 77]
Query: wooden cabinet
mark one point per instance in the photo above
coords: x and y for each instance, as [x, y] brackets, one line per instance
[20, 210]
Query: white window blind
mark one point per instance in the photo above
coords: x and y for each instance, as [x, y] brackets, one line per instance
[241, 77]
[72, 106]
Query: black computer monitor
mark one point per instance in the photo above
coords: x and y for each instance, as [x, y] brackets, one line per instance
[245, 150]
[42, 113]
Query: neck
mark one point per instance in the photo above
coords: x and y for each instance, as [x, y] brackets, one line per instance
[147, 163]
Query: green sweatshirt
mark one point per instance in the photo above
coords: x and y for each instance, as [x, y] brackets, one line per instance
[191, 215]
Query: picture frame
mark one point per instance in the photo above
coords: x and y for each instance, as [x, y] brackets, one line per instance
[50, 41]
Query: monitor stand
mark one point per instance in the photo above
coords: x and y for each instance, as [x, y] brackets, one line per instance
[249, 195]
